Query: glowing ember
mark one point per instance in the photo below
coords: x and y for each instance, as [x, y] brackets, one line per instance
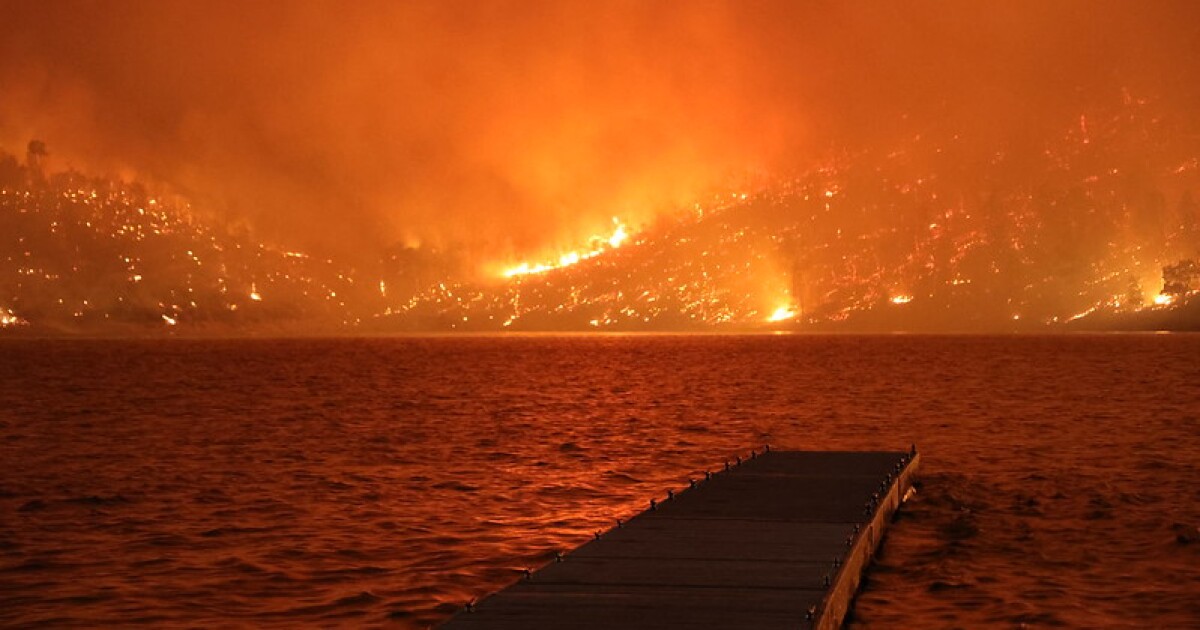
[254, 294]
[901, 299]
[619, 235]
[781, 314]
[170, 321]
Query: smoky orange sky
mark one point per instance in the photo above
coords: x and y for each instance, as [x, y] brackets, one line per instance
[512, 127]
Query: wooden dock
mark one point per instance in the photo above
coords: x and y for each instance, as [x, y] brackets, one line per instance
[779, 539]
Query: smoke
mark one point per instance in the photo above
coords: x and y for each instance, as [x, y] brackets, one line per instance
[512, 127]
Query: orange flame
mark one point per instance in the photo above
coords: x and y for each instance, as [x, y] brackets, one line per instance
[601, 244]
[781, 314]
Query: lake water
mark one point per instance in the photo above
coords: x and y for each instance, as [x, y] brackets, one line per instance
[388, 481]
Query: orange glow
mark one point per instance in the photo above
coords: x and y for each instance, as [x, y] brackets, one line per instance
[410, 166]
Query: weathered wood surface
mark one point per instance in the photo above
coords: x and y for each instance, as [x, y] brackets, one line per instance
[779, 541]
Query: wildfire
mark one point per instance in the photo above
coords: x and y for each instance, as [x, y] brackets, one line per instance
[1162, 299]
[901, 299]
[9, 318]
[600, 244]
[782, 313]
[619, 234]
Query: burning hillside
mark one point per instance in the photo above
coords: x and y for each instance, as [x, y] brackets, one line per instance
[1100, 222]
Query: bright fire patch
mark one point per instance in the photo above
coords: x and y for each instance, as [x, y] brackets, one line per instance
[600, 244]
[781, 314]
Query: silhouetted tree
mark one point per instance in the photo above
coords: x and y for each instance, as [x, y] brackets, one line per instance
[34, 157]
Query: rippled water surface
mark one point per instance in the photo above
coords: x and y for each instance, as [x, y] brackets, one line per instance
[387, 481]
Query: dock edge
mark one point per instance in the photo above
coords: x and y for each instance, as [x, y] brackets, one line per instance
[832, 610]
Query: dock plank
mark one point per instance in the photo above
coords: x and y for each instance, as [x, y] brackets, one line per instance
[641, 608]
[683, 572]
[718, 538]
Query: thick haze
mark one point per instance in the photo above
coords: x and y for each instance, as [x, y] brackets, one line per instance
[512, 127]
